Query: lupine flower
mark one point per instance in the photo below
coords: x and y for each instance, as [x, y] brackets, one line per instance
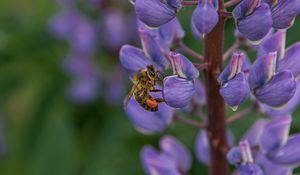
[291, 60]
[286, 109]
[116, 28]
[205, 16]
[283, 12]
[234, 86]
[179, 89]
[271, 168]
[269, 86]
[155, 13]
[173, 158]
[202, 149]
[254, 19]
[242, 158]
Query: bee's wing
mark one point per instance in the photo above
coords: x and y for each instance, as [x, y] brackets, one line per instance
[130, 94]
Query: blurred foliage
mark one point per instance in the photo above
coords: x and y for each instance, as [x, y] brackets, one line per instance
[46, 133]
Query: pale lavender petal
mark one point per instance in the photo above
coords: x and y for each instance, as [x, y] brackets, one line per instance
[132, 59]
[254, 132]
[205, 17]
[278, 91]
[289, 154]
[291, 61]
[274, 43]
[171, 147]
[200, 97]
[155, 13]
[250, 169]
[178, 92]
[275, 134]
[184, 67]
[152, 50]
[158, 164]
[234, 156]
[284, 13]
[262, 70]
[195, 31]
[171, 31]
[149, 122]
[235, 91]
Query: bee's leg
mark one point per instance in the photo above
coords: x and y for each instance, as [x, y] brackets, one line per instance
[159, 100]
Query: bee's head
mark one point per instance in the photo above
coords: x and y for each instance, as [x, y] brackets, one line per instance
[151, 71]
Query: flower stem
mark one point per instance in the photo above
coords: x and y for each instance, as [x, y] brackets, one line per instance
[216, 124]
[231, 3]
[239, 115]
[189, 121]
[190, 51]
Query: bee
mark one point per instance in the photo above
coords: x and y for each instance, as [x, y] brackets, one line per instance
[143, 83]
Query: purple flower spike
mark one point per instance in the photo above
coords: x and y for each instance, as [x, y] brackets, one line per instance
[205, 16]
[289, 154]
[253, 18]
[171, 147]
[155, 13]
[133, 59]
[284, 13]
[274, 43]
[286, 109]
[149, 122]
[262, 70]
[202, 146]
[178, 92]
[278, 91]
[271, 168]
[152, 50]
[184, 68]
[159, 164]
[235, 91]
[275, 134]
[291, 60]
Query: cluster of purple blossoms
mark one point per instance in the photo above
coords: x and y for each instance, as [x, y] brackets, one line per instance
[271, 82]
[85, 37]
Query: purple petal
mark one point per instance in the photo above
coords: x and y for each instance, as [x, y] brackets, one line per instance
[235, 91]
[155, 13]
[133, 59]
[245, 8]
[278, 91]
[287, 109]
[234, 156]
[195, 31]
[274, 43]
[178, 92]
[250, 169]
[205, 17]
[254, 132]
[284, 13]
[171, 31]
[275, 134]
[271, 168]
[257, 25]
[177, 151]
[152, 50]
[291, 60]
[158, 164]
[149, 122]
[262, 70]
[289, 154]
[200, 97]
[184, 67]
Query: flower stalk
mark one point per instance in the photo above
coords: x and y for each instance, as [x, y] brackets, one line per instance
[216, 124]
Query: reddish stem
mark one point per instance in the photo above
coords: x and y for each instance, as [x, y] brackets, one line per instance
[216, 126]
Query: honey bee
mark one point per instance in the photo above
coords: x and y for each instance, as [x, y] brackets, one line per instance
[143, 83]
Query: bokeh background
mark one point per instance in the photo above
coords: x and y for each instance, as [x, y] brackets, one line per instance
[49, 123]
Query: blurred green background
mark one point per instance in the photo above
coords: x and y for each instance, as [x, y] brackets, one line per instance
[44, 132]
